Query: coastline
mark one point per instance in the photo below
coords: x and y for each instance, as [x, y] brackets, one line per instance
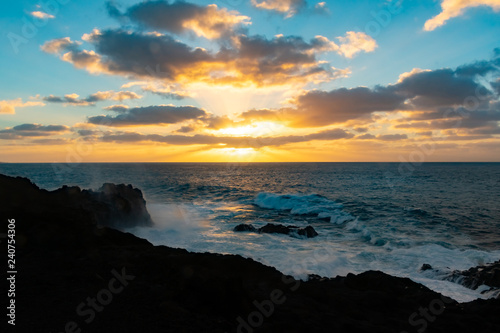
[69, 256]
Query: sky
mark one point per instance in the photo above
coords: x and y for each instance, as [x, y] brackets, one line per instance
[250, 81]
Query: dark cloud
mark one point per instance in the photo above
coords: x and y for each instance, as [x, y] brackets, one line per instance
[227, 141]
[179, 17]
[75, 99]
[217, 122]
[442, 87]
[117, 108]
[473, 123]
[186, 129]
[255, 60]
[392, 137]
[31, 130]
[442, 93]
[366, 136]
[320, 108]
[150, 115]
[45, 142]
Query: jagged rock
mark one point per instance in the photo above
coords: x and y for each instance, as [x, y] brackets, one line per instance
[271, 228]
[244, 227]
[125, 206]
[476, 276]
[119, 206]
[308, 231]
[425, 267]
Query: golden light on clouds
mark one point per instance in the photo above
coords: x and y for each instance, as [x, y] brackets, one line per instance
[255, 130]
[454, 8]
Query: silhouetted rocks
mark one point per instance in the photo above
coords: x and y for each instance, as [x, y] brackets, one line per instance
[124, 205]
[74, 274]
[119, 206]
[476, 276]
[272, 228]
[245, 227]
[425, 267]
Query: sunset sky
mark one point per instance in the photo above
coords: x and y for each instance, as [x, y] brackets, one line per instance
[250, 80]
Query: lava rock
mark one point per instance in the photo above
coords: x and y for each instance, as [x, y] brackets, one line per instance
[425, 267]
[272, 228]
[118, 206]
[244, 227]
[476, 276]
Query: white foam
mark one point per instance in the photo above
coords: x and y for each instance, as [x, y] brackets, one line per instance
[304, 204]
[336, 251]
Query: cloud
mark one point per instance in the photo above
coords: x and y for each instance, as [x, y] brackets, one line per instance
[179, 17]
[476, 121]
[286, 7]
[160, 89]
[392, 137]
[355, 42]
[454, 8]
[110, 95]
[150, 115]
[31, 130]
[424, 90]
[117, 108]
[186, 129]
[253, 60]
[366, 136]
[60, 45]
[322, 108]
[9, 106]
[321, 8]
[42, 15]
[225, 141]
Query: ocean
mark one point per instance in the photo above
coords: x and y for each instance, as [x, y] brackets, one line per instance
[390, 217]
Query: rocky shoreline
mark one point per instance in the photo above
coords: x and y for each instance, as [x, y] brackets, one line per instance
[76, 273]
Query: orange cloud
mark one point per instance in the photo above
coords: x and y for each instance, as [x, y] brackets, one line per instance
[252, 60]
[9, 107]
[179, 17]
[355, 42]
[215, 23]
[42, 15]
[288, 7]
[454, 8]
[159, 88]
[74, 99]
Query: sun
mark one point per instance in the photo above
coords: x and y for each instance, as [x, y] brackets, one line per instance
[262, 128]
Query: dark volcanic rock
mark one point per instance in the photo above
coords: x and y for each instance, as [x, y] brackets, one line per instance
[65, 262]
[476, 276]
[425, 267]
[244, 227]
[119, 206]
[271, 228]
[308, 231]
[125, 205]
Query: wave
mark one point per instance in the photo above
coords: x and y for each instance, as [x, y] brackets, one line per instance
[304, 204]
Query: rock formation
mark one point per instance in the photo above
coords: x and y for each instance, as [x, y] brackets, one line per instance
[272, 228]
